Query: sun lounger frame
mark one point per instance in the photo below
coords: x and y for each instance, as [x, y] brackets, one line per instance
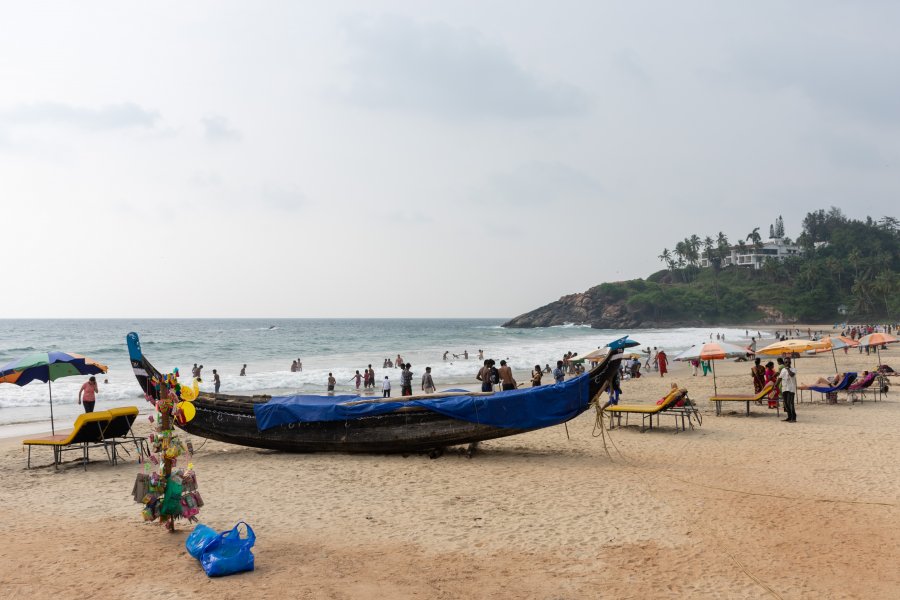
[762, 395]
[87, 434]
[647, 411]
[140, 443]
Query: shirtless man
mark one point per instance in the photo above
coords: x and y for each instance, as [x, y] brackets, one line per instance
[507, 380]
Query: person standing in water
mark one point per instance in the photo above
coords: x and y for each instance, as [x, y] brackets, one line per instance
[87, 395]
[244, 371]
[331, 382]
[216, 380]
[386, 387]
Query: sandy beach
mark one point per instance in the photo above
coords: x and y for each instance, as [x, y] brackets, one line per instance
[742, 507]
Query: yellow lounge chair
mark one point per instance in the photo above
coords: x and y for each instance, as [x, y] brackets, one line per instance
[748, 398]
[87, 432]
[119, 433]
[647, 411]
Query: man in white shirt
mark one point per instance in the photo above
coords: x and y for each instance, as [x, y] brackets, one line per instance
[788, 390]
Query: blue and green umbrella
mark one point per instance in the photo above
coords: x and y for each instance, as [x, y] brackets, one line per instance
[48, 366]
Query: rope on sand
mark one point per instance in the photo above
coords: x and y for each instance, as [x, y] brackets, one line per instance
[761, 583]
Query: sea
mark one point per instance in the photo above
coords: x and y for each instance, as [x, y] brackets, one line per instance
[267, 347]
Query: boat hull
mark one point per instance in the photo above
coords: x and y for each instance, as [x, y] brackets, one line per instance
[411, 431]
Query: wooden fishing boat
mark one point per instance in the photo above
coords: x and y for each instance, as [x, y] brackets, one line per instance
[411, 424]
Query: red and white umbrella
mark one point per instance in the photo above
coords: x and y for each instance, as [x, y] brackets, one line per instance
[713, 351]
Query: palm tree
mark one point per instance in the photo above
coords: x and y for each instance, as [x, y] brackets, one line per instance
[755, 238]
[666, 256]
[885, 285]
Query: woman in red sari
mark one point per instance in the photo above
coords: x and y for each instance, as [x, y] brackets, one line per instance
[663, 363]
[771, 377]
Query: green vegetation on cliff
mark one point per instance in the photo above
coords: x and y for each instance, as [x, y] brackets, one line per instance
[846, 269]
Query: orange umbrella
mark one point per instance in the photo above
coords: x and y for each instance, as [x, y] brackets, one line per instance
[791, 346]
[878, 340]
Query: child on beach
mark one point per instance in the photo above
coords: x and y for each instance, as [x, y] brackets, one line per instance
[386, 387]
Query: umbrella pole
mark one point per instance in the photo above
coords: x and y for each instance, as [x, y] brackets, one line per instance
[52, 427]
[834, 359]
[715, 388]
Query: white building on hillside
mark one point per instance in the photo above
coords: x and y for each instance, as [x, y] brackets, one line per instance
[751, 257]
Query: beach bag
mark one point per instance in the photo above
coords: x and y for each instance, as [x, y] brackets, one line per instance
[229, 553]
[199, 539]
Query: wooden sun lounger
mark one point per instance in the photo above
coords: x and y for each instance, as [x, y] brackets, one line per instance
[667, 406]
[748, 398]
[87, 433]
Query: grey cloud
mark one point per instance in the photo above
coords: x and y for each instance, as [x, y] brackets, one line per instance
[856, 77]
[540, 183]
[217, 129]
[438, 69]
[282, 198]
[629, 64]
[110, 117]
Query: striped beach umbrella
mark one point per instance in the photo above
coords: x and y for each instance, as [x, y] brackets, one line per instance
[48, 366]
[836, 342]
[713, 351]
[878, 340]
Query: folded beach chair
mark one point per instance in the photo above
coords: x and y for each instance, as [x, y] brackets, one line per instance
[648, 411]
[119, 433]
[763, 393]
[87, 433]
[842, 385]
[859, 389]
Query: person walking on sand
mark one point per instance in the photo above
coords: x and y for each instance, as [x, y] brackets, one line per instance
[788, 390]
[406, 379]
[706, 367]
[536, 376]
[331, 382]
[87, 395]
[244, 371]
[507, 381]
[216, 380]
[663, 362]
[694, 364]
[427, 381]
[386, 387]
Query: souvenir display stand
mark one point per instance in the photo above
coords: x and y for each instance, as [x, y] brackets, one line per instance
[167, 486]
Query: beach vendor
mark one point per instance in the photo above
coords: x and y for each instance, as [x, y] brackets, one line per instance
[87, 395]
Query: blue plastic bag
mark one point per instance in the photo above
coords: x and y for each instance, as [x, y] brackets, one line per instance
[229, 553]
[201, 537]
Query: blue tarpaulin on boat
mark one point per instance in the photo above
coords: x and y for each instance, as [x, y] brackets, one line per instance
[527, 408]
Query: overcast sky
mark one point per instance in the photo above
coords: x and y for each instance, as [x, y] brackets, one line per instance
[418, 159]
